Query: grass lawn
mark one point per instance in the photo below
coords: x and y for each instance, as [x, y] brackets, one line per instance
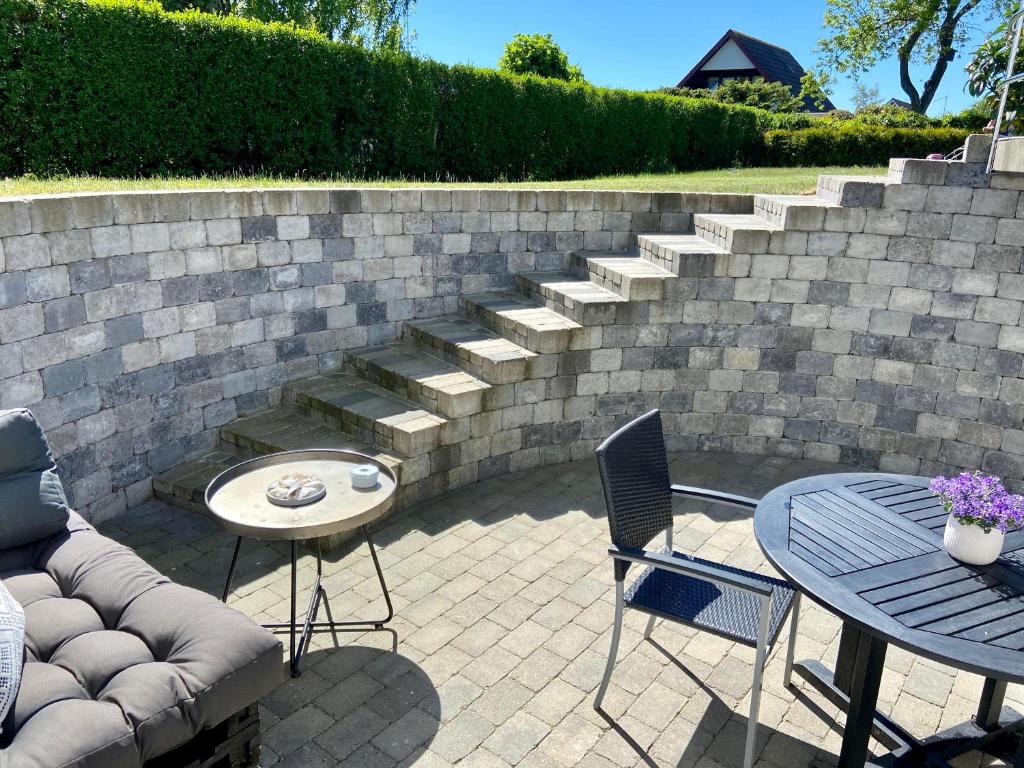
[746, 180]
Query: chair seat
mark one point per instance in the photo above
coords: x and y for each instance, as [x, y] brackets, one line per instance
[713, 607]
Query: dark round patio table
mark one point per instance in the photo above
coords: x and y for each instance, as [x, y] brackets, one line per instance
[868, 547]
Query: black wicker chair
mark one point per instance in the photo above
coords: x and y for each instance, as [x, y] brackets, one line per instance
[743, 606]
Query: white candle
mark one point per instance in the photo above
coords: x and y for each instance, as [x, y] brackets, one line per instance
[364, 476]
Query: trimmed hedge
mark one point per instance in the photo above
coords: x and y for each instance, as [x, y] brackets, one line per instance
[124, 88]
[857, 144]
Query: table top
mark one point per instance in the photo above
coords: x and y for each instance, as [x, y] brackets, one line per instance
[868, 547]
[238, 501]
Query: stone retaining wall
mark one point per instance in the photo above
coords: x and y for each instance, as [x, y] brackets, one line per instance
[135, 324]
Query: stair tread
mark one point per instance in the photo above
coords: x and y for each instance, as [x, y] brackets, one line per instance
[519, 309]
[633, 267]
[579, 290]
[736, 221]
[468, 335]
[801, 200]
[410, 362]
[282, 430]
[683, 244]
[364, 399]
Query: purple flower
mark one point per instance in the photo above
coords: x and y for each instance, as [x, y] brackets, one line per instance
[977, 499]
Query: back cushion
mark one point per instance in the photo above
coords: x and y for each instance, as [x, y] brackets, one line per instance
[32, 501]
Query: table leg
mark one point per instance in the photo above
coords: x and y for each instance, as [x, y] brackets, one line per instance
[294, 661]
[849, 640]
[309, 624]
[991, 704]
[231, 571]
[865, 680]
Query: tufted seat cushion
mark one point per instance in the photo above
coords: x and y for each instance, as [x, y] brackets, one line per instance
[121, 664]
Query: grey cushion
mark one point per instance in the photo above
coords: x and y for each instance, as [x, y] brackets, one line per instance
[121, 664]
[32, 501]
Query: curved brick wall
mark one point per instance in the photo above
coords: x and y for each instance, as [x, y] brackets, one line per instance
[885, 335]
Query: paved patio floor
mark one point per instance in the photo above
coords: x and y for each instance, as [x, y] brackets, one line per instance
[503, 594]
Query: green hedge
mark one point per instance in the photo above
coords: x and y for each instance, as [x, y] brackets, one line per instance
[857, 144]
[124, 88]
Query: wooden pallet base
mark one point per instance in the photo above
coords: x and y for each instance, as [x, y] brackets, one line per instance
[234, 743]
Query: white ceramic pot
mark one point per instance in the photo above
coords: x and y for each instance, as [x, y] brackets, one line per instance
[970, 543]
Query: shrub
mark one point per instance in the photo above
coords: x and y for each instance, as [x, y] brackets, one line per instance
[851, 143]
[538, 55]
[125, 88]
[891, 116]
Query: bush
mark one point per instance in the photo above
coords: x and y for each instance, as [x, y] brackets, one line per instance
[124, 88]
[973, 119]
[851, 143]
[891, 116]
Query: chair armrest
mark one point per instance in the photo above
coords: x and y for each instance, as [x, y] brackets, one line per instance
[689, 567]
[718, 497]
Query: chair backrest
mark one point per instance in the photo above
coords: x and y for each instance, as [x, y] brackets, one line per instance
[637, 488]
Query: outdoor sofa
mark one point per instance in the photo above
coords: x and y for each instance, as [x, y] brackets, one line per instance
[122, 667]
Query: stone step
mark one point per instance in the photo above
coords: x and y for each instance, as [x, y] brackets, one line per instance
[683, 255]
[272, 431]
[853, 191]
[735, 232]
[410, 372]
[370, 413]
[583, 301]
[628, 275]
[283, 429]
[793, 212]
[184, 486]
[958, 173]
[518, 319]
[475, 349]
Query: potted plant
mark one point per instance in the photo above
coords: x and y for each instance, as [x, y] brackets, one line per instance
[981, 511]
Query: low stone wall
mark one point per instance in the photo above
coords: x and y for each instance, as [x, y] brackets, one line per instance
[134, 325]
[887, 336]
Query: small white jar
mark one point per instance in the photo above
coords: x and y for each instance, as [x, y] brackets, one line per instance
[971, 544]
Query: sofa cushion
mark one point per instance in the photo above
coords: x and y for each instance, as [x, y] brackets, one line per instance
[122, 665]
[32, 501]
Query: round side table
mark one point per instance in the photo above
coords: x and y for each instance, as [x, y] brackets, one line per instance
[237, 500]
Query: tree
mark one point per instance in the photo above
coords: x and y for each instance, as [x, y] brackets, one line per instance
[988, 67]
[367, 23]
[860, 33]
[756, 92]
[864, 96]
[538, 55]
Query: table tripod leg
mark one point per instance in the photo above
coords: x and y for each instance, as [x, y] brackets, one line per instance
[291, 631]
[311, 610]
[380, 577]
[231, 570]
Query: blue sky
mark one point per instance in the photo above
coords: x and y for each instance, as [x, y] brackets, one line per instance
[646, 43]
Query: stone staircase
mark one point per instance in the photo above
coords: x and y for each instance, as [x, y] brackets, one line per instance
[438, 403]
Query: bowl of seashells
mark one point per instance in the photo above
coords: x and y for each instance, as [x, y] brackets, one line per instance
[295, 490]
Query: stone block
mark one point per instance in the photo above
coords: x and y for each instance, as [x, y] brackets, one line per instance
[26, 252]
[21, 322]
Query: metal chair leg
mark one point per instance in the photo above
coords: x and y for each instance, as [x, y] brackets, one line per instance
[787, 677]
[614, 650]
[755, 691]
[651, 620]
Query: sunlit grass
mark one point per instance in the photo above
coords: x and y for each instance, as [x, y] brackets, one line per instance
[744, 180]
